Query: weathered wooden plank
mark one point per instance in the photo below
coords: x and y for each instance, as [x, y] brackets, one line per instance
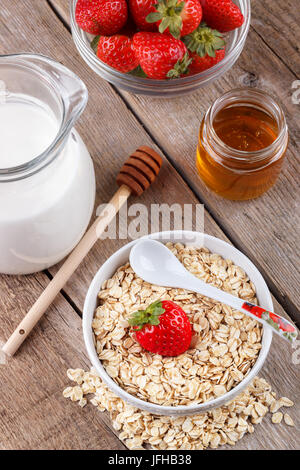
[34, 414]
[278, 23]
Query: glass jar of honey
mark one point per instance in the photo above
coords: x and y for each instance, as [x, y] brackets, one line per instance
[242, 142]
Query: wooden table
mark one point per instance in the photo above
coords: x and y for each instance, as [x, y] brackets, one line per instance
[33, 412]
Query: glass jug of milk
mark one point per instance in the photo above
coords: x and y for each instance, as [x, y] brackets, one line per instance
[47, 180]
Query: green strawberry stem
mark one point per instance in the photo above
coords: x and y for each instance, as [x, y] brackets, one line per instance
[138, 72]
[169, 13]
[150, 316]
[94, 43]
[204, 40]
[181, 67]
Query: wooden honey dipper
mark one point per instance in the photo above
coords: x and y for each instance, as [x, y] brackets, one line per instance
[136, 175]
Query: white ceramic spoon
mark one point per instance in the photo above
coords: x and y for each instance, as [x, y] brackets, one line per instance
[156, 264]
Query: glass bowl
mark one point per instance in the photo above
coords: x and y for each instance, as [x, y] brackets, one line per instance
[235, 41]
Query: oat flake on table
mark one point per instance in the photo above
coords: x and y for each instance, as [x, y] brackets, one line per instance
[140, 429]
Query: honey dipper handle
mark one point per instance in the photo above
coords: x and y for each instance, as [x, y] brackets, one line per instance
[66, 271]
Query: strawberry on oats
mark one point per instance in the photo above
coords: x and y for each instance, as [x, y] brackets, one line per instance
[163, 328]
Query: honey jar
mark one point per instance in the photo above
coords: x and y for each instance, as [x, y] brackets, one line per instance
[242, 142]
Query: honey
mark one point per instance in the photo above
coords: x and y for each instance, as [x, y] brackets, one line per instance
[245, 128]
[242, 143]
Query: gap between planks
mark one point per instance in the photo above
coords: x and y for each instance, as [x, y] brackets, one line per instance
[274, 52]
[65, 295]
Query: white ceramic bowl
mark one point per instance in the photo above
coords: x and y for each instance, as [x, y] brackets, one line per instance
[196, 239]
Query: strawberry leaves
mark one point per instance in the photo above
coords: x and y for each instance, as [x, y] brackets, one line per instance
[150, 316]
[204, 40]
[180, 68]
[169, 14]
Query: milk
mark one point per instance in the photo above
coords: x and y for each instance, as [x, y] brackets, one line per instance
[26, 130]
[44, 215]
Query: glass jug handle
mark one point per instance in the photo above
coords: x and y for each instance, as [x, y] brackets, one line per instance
[73, 91]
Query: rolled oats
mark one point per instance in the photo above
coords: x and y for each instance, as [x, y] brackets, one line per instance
[225, 345]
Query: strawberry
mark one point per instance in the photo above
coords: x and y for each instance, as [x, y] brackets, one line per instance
[101, 16]
[177, 17]
[139, 10]
[130, 28]
[223, 15]
[117, 52]
[163, 328]
[160, 55]
[199, 64]
[207, 48]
